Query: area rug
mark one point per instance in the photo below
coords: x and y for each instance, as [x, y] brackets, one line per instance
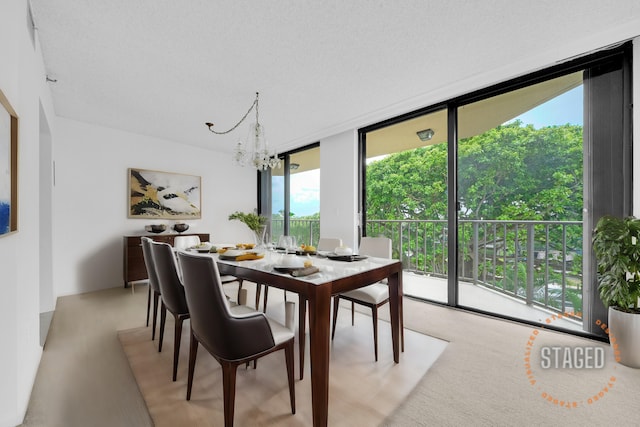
[362, 391]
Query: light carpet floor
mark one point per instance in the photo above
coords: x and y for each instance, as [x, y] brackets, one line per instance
[362, 391]
[84, 377]
[481, 378]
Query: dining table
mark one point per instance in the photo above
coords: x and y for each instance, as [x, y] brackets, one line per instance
[316, 291]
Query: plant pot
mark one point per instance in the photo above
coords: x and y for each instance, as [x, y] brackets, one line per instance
[624, 333]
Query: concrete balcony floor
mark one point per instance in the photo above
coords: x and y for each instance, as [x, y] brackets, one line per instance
[481, 298]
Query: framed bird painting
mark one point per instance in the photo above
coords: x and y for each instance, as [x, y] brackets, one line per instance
[163, 195]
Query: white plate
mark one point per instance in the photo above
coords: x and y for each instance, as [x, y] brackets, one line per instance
[234, 252]
[201, 250]
[297, 264]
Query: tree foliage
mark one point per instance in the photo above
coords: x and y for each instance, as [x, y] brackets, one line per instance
[509, 172]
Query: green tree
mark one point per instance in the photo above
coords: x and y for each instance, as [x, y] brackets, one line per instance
[518, 172]
[511, 172]
[409, 185]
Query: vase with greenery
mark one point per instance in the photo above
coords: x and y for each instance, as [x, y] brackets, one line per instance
[256, 223]
[616, 245]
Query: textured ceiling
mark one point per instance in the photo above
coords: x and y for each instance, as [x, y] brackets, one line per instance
[165, 67]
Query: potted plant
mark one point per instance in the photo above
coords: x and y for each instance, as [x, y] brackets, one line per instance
[256, 223]
[616, 244]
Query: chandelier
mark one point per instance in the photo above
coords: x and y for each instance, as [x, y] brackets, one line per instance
[254, 150]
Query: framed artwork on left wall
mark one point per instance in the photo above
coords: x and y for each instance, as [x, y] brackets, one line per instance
[163, 195]
[8, 167]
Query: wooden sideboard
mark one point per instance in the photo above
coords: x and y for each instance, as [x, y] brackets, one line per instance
[134, 268]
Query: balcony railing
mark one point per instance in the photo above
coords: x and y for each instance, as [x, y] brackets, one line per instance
[306, 231]
[538, 262]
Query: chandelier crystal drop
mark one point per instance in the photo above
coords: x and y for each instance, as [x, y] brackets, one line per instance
[253, 150]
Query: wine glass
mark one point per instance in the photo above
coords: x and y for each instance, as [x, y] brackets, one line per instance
[288, 243]
[283, 242]
[293, 244]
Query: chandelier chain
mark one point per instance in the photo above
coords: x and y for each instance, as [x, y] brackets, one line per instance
[254, 151]
[255, 104]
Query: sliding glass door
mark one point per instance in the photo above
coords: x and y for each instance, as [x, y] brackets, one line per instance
[530, 189]
[406, 198]
[493, 209]
[520, 193]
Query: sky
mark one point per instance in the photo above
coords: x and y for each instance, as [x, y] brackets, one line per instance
[563, 109]
[305, 193]
[305, 186]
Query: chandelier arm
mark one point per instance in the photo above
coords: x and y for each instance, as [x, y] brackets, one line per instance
[255, 104]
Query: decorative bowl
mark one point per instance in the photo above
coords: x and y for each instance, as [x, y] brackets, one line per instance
[181, 227]
[157, 228]
[291, 261]
[343, 250]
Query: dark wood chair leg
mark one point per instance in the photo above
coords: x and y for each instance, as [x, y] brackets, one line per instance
[336, 302]
[148, 304]
[258, 291]
[229, 389]
[353, 313]
[401, 330]
[163, 318]
[302, 331]
[193, 352]
[266, 294]
[156, 297]
[374, 315]
[239, 289]
[288, 353]
[176, 344]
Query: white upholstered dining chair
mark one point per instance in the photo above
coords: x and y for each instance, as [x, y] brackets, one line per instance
[372, 296]
[328, 244]
[181, 243]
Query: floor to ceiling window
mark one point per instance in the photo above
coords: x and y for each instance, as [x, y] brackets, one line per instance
[520, 193]
[295, 196]
[494, 211]
[406, 197]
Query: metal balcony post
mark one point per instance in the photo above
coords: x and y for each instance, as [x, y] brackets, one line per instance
[530, 263]
[476, 253]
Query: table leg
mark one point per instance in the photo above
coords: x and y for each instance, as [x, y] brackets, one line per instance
[396, 311]
[302, 330]
[319, 332]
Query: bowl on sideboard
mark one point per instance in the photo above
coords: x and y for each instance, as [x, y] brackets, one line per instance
[156, 228]
[181, 227]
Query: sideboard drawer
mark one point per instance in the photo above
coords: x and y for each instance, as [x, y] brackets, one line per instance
[134, 268]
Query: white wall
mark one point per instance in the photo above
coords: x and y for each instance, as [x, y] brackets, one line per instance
[90, 198]
[339, 187]
[21, 80]
[47, 296]
[89, 206]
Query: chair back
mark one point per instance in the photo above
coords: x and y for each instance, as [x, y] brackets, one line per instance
[149, 264]
[185, 242]
[378, 247]
[328, 243]
[170, 286]
[224, 335]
